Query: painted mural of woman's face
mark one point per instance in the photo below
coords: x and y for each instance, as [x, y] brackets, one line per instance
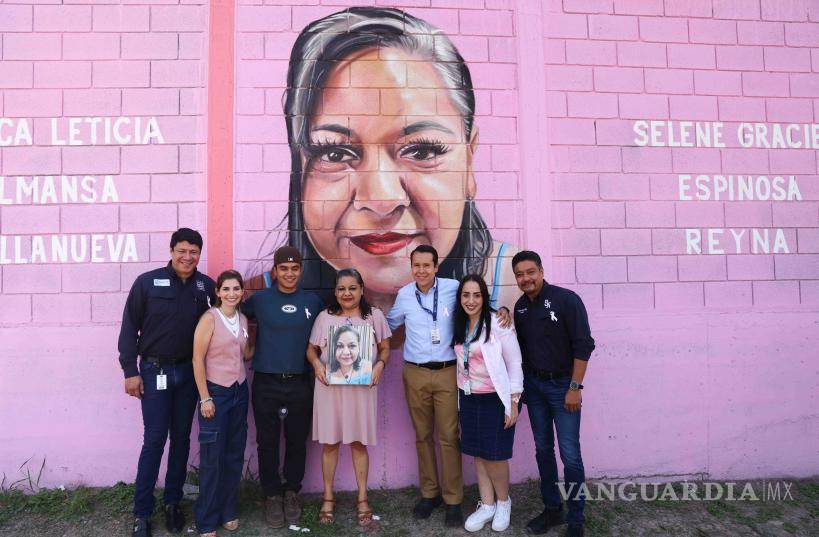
[388, 166]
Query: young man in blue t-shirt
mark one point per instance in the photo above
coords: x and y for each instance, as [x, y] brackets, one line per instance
[282, 384]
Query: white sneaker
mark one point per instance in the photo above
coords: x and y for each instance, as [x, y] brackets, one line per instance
[503, 512]
[477, 520]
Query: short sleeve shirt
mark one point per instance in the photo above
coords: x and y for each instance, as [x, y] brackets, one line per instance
[284, 321]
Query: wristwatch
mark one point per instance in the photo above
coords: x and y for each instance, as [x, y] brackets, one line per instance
[516, 398]
[574, 386]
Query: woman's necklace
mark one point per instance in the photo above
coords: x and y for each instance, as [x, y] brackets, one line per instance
[233, 320]
[231, 323]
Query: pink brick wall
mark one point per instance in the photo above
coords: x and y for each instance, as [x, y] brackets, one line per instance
[687, 378]
[61, 320]
[738, 75]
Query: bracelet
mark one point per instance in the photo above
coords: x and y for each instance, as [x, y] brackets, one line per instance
[203, 401]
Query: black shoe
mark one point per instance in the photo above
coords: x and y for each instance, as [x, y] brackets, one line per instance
[575, 530]
[545, 520]
[142, 527]
[174, 518]
[425, 506]
[454, 518]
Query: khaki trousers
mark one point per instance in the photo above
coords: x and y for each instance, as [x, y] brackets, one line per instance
[432, 398]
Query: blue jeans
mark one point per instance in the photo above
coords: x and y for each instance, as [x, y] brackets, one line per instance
[164, 412]
[545, 399]
[222, 440]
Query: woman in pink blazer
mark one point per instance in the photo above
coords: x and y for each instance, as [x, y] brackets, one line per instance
[490, 383]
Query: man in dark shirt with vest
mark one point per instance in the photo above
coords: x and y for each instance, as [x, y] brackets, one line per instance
[160, 316]
[282, 384]
[556, 343]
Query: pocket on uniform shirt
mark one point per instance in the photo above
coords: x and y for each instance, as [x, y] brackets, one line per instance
[207, 436]
[160, 301]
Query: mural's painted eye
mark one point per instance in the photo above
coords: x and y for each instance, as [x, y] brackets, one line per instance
[423, 150]
[337, 154]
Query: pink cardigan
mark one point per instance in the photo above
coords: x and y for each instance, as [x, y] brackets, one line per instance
[503, 361]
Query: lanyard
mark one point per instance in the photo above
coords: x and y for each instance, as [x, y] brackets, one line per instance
[467, 341]
[434, 311]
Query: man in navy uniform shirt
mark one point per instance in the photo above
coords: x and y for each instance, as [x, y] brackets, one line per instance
[160, 316]
[282, 384]
[556, 343]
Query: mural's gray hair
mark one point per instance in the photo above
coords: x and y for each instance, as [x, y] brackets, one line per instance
[329, 40]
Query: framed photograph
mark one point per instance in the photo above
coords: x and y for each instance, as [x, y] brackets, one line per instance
[350, 350]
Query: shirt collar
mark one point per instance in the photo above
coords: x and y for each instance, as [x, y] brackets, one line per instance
[434, 285]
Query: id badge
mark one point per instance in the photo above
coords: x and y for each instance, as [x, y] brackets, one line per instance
[436, 335]
[467, 387]
[162, 381]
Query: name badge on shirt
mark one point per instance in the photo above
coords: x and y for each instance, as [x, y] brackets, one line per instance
[161, 283]
[435, 334]
[467, 387]
[162, 381]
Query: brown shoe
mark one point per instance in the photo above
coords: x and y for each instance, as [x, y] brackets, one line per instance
[273, 511]
[292, 507]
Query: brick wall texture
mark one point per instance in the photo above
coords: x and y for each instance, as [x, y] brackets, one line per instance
[672, 146]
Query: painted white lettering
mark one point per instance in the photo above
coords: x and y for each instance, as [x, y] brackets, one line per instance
[693, 238]
[760, 241]
[74, 131]
[79, 248]
[720, 186]
[714, 241]
[49, 192]
[3, 199]
[780, 244]
[22, 132]
[109, 191]
[59, 248]
[152, 132]
[55, 135]
[763, 188]
[684, 187]
[122, 140]
[738, 188]
[130, 253]
[18, 250]
[737, 239]
[38, 253]
[96, 248]
[640, 130]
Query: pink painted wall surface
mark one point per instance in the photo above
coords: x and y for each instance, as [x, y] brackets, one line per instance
[705, 362]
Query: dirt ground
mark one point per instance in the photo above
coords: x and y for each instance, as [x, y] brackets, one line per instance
[106, 512]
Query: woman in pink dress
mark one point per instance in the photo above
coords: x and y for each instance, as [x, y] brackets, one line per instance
[345, 412]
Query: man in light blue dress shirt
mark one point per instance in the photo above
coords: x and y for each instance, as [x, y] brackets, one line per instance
[426, 307]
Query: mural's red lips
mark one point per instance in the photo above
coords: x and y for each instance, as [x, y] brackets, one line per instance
[381, 243]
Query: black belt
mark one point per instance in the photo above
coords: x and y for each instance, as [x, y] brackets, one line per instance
[283, 376]
[164, 361]
[435, 365]
[548, 375]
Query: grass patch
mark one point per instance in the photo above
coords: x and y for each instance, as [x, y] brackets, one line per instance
[67, 505]
[117, 499]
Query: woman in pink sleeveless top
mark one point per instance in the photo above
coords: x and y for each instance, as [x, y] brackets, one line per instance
[220, 347]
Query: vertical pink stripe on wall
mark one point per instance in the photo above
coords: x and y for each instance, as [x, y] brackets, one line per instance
[219, 239]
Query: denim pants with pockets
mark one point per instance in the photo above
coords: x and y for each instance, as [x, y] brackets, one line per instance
[545, 399]
[165, 413]
[222, 440]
